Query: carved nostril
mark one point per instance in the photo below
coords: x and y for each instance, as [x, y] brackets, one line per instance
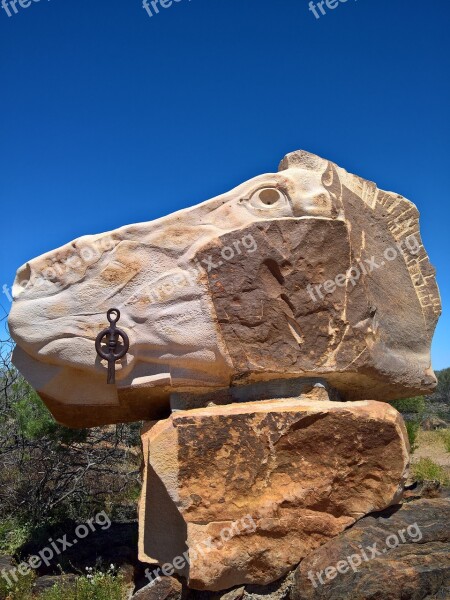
[22, 280]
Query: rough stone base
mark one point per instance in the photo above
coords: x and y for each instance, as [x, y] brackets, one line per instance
[240, 494]
[401, 554]
[416, 569]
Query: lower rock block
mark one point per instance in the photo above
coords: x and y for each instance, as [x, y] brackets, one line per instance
[398, 554]
[241, 493]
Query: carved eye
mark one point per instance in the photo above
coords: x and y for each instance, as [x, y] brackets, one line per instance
[267, 198]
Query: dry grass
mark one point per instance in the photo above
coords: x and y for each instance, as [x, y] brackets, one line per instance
[427, 470]
[433, 446]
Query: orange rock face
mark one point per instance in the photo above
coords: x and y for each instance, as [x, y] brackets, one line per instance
[241, 493]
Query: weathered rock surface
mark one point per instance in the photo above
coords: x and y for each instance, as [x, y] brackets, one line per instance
[434, 423]
[384, 566]
[278, 590]
[308, 272]
[240, 493]
[166, 588]
[424, 489]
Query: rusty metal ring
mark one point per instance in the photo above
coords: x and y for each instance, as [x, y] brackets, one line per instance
[112, 334]
[120, 334]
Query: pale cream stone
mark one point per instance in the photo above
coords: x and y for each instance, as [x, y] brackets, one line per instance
[255, 315]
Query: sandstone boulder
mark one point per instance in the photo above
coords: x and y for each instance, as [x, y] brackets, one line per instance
[399, 554]
[434, 423]
[307, 272]
[240, 493]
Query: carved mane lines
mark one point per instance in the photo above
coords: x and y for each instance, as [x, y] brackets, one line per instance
[403, 222]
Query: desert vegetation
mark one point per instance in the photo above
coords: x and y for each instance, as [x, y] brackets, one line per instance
[427, 421]
[52, 478]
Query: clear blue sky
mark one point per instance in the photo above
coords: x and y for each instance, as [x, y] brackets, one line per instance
[111, 117]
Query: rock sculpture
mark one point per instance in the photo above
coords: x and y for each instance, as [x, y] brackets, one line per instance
[267, 328]
[308, 272]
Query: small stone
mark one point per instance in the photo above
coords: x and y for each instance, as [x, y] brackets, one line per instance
[423, 489]
[127, 572]
[434, 424]
[164, 588]
[235, 594]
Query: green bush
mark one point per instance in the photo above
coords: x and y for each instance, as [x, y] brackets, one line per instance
[413, 428]
[94, 586]
[414, 405]
[3, 589]
[442, 393]
[13, 535]
[20, 590]
[35, 421]
[427, 470]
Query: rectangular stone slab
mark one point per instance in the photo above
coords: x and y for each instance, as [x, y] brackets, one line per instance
[248, 490]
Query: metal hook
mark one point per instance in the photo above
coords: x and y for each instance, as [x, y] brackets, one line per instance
[111, 336]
